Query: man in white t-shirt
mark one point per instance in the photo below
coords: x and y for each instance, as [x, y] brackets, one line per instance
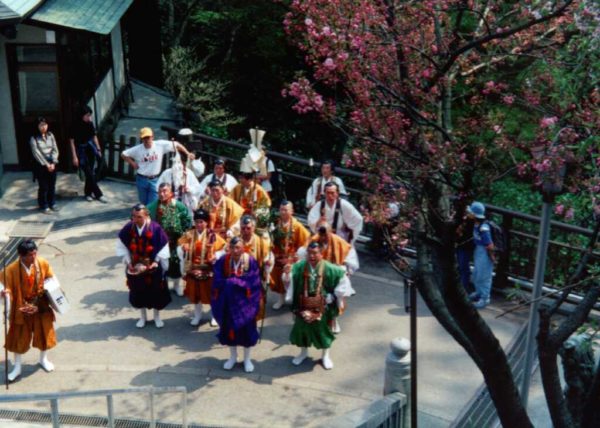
[228, 181]
[146, 160]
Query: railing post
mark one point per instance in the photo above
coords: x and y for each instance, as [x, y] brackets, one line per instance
[120, 161]
[503, 267]
[184, 422]
[111, 411]
[397, 373]
[131, 172]
[151, 404]
[54, 412]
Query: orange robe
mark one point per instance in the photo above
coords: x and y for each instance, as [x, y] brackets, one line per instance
[223, 216]
[285, 244]
[249, 200]
[259, 248]
[29, 289]
[197, 287]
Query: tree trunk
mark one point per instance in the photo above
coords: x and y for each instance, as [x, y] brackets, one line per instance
[436, 275]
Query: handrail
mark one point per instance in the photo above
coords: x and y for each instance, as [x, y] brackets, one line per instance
[108, 393]
[203, 137]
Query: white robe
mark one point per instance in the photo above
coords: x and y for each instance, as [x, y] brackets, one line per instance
[315, 189]
[348, 216]
[193, 194]
[230, 183]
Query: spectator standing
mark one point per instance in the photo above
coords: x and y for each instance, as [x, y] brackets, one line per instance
[146, 159]
[86, 153]
[228, 181]
[316, 192]
[45, 154]
[483, 256]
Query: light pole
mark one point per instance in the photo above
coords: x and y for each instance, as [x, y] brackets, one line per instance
[550, 188]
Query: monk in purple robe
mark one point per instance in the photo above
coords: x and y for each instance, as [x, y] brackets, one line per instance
[235, 301]
[144, 246]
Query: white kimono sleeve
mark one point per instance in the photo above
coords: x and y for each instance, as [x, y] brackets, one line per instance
[351, 261]
[288, 281]
[269, 262]
[314, 215]
[163, 257]
[310, 195]
[343, 289]
[352, 219]
[341, 187]
[123, 251]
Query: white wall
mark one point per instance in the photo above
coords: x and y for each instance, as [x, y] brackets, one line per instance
[8, 138]
[104, 95]
[117, 54]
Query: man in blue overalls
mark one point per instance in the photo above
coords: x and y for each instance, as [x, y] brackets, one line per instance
[483, 257]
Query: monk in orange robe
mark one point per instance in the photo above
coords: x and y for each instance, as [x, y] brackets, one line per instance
[31, 317]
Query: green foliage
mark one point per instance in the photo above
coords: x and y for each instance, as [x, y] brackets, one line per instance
[242, 43]
[198, 97]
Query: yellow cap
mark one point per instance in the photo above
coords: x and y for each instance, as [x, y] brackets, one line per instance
[146, 132]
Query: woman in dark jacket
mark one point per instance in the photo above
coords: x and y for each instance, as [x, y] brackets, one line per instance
[45, 154]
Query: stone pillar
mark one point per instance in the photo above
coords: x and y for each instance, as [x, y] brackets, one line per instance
[397, 373]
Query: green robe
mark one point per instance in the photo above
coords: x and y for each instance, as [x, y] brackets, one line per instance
[175, 219]
[318, 333]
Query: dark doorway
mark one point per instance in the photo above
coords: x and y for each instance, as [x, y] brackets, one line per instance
[35, 87]
[141, 28]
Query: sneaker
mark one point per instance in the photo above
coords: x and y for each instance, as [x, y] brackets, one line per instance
[55, 208]
[474, 296]
[89, 198]
[481, 303]
[103, 200]
[45, 210]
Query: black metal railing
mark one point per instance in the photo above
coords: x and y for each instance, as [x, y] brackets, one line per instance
[521, 230]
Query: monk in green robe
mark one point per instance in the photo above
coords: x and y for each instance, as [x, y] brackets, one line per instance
[315, 289]
[174, 218]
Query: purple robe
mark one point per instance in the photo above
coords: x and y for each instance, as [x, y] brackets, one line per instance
[235, 301]
[147, 290]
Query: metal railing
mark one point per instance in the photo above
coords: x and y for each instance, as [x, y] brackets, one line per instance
[108, 393]
[387, 412]
[567, 241]
[290, 168]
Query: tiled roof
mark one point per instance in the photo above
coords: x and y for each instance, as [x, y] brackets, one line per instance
[97, 16]
[7, 14]
[13, 11]
[22, 7]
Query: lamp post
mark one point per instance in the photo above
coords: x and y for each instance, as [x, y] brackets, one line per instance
[550, 189]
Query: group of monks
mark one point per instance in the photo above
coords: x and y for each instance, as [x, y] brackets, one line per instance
[214, 255]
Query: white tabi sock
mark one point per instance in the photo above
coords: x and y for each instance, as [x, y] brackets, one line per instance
[298, 359]
[157, 321]
[280, 301]
[177, 286]
[326, 359]
[336, 329]
[197, 315]
[16, 371]
[232, 358]
[45, 362]
[142, 321]
[248, 366]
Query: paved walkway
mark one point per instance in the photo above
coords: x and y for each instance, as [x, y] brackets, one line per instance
[99, 346]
